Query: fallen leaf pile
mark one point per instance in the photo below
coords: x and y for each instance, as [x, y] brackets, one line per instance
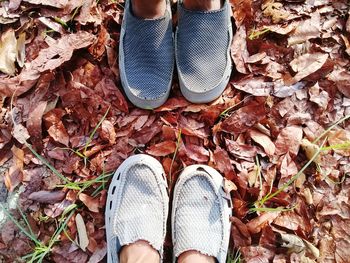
[279, 134]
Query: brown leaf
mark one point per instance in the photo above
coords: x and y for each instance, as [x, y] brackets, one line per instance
[8, 52]
[108, 131]
[244, 118]
[47, 197]
[239, 52]
[257, 224]
[34, 124]
[58, 52]
[90, 202]
[307, 64]
[223, 163]
[340, 137]
[342, 81]
[289, 140]
[264, 141]
[257, 254]
[243, 11]
[173, 104]
[14, 176]
[239, 233]
[53, 3]
[256, 86]
[146, 134]
[55, 126]
[162, 149]
[307, 29]
[242, 151]
[196, 153]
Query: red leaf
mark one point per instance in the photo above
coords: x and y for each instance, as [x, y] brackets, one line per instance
[244, 118]
[223, 163]
[162, 149]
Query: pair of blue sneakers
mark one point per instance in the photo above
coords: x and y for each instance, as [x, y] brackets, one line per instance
[201, 49]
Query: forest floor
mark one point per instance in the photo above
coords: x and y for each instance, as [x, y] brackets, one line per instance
[280, 132]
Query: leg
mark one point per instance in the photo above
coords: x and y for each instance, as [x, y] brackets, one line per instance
[148, 8]
[139, 252]
[195, 256]
[206, 5]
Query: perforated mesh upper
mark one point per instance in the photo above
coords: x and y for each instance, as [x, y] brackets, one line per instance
[148, 54]
[141, 212]
[202, 43]
[198, 224]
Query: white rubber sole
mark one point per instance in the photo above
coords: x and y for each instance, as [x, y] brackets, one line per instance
[115, 195]
[147, 104]
[217, 181]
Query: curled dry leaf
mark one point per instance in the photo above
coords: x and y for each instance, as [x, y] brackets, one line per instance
[341, 78]
[162, 149]
[307, 64]
[82, 234]
[47, 197]
[239, 233]
[257, 224]
[310, 150]
[239, 52]
[14, 176]
[90, 202]
[264, 141]
[8, 52]
[34, 123]
[108, 131]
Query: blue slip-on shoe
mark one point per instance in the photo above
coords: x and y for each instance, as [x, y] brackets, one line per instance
[202, 52]
[201, 213]
[137, 205]
[146, 58]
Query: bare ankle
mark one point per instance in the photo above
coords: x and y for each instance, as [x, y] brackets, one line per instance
[203, 5]
[148, 9]
[195, 256]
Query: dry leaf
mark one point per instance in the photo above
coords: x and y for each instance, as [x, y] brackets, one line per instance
[307, 64]
[82, 234]
[310, 150]
[162, 149]
[90, 202]
[58, 52]
[307, 29]
[264, 141]
[47, 197]
[239, 52]
[8, 52]
[53, 3]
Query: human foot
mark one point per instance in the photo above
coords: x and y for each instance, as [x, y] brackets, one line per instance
[146, 58]
[150, 9]
[202, 50]
[203, 5]
[137, 206]
[200, 216]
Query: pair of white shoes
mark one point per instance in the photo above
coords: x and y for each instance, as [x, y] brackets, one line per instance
[138, 203]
